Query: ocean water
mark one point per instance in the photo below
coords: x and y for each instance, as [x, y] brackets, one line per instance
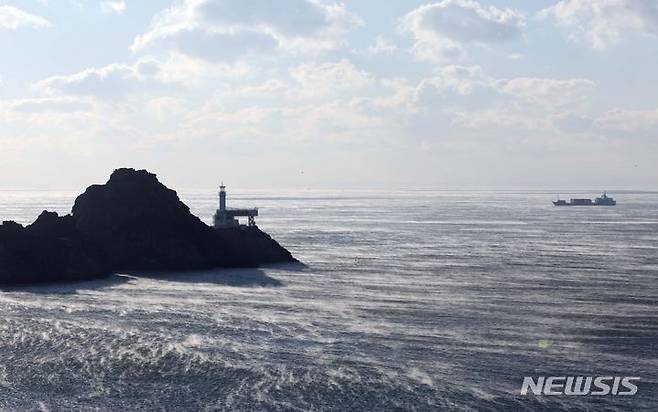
[408, 300]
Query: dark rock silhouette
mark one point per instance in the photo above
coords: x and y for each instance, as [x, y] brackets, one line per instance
[142, 225]
[250, 244]
[49, 250]
[131, 223]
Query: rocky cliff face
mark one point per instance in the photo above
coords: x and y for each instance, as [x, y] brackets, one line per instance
[250, 244]
[142, 225]
[131, 223]
[49, 250]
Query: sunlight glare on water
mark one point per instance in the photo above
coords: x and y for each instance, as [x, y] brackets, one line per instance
[422, 300]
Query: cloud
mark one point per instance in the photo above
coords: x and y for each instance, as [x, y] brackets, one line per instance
[382, 46]
[601, 23]
[572, 123]
[292, 25]
[546, 91]
[475, 100]
[440, 30]
[109, 81]
[217, 47]
[113, 6]
[456, 100]
[287, 124]
[271, 87]
[460, 80]
[50, 105]
[147, 75]
[330, 78]
[629, 120]
[287, 17]
[12, 18]
[190, 71]
[321, 82]
[465, 80]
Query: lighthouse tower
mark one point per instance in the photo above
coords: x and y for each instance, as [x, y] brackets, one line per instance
[222, 198]
[225, 218]
[222, 218]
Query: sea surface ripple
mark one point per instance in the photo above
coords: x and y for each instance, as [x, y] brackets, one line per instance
[408, 300]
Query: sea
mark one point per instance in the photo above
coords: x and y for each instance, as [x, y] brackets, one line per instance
[406, 300]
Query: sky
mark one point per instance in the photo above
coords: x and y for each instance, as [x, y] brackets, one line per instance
[324, 94]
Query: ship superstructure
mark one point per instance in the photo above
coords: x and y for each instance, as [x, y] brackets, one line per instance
[604, 200]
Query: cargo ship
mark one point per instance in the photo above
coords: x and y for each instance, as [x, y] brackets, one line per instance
[604, 200]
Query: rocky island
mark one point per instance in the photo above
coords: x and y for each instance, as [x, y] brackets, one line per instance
[132, 223]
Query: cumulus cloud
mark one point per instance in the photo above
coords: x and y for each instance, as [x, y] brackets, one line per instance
[330, 78]
[49, 105]
[320, 82]
[290, 123]
[249, 25]
[456, 99]
[287, 17]
[113, 6]
[190, 71]
[441, 29]
[457, 79]
[12, 18]
[546, 91]
[602, 23]
[382, 46]
[271, 87]
[476, 100]
[629, 120]
[572, 123]
[110, 81]
[466, 80]
[148, 74]
[218, 47]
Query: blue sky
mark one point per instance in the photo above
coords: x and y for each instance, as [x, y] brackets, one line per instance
[316, 93]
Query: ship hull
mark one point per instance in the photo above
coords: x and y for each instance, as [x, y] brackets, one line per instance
[604, 200]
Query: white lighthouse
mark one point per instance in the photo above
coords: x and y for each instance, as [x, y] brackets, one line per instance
[227, 217]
